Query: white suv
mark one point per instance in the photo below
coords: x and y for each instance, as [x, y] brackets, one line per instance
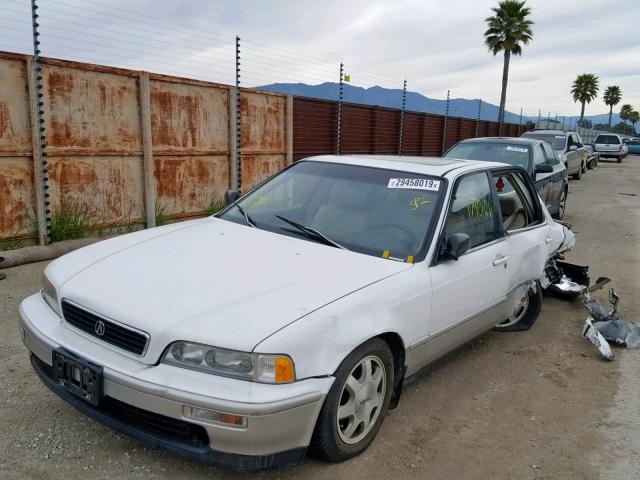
[610, 145]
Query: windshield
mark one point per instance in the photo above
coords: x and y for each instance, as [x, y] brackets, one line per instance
[516, 155]
[557, 141]
[378, 212]
[610, 139]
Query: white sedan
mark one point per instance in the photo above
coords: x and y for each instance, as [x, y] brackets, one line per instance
[291, 319]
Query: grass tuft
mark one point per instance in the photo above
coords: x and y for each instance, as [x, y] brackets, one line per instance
[70, 221]
[214, 207]
[162, 216]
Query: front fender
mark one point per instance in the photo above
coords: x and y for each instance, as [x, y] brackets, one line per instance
[319, 342]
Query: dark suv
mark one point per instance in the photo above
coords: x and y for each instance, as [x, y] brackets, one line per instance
[536, 156]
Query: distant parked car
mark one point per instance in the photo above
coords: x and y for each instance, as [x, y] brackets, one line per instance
[539, 158]
[568, 146]
[633, 145]
[610, 145]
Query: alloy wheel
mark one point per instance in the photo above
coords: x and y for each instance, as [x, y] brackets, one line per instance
[362, 398]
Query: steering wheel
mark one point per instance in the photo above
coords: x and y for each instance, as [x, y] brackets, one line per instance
[402, 228]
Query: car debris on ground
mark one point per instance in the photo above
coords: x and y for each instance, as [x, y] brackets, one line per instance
[601, 328]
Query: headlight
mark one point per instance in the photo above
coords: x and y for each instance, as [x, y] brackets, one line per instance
[256, 367]
[50, 295]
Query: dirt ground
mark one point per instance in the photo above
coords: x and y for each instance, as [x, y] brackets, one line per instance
[532, 405]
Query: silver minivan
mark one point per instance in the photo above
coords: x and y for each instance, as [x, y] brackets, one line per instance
[569, 147]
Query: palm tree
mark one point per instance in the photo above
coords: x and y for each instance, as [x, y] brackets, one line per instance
[634, 118]
[612, 96]
[626, 111]
[509, 29]
[584, 89]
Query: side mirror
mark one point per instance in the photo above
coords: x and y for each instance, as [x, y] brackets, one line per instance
[573, 148]
[457, 245]
[543, 168]
[231, 196]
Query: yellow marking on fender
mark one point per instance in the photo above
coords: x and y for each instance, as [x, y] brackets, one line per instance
[385, 254]
[409, 259]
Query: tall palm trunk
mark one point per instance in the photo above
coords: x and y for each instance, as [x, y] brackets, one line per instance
[610, 113]
[582, 112]
[505, 79]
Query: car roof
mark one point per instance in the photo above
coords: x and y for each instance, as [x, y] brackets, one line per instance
[435, 166]
[550, 132]
[512, 140]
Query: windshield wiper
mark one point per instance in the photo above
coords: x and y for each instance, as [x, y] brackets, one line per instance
[312, 232]
[250, 221]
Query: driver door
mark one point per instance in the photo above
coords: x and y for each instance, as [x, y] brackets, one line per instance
[469, 293]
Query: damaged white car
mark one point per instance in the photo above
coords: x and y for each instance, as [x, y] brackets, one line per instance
[292, 318]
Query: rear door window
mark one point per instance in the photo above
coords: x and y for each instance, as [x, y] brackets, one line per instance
[538, 156]
[552, 158]
[517, 210]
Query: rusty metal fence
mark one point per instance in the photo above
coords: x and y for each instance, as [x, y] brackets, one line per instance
[367, 129]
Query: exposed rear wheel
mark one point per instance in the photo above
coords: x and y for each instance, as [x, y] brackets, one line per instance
[525, 313]
[356, 404]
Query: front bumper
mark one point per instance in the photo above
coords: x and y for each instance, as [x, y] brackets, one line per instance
[280, 418]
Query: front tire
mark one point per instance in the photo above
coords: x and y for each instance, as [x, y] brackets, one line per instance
[525, 316]
[356, 404]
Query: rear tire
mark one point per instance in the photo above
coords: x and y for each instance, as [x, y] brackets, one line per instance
[583, 166]
[356, 404]
[619, 159]
[578, 174]
[525, 318]
[562, 205]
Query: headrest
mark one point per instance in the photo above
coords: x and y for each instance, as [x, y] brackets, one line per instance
[508, 204]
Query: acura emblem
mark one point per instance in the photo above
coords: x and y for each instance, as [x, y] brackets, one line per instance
[99, 328]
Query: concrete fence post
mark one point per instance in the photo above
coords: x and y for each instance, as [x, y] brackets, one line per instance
[289, 131]
[38, 171]
[233, 140]
[147, 151]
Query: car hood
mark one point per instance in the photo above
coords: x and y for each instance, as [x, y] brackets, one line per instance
[211, 281]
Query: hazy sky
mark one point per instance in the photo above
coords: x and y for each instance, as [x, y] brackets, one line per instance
[435, 45]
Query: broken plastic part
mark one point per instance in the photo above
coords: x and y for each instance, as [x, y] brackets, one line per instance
[594, 336]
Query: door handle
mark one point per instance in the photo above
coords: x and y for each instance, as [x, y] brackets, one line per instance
[548, 240]
[500, 259]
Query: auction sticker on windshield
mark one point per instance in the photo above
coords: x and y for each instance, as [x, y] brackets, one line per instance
[517, 149]
[414, 183]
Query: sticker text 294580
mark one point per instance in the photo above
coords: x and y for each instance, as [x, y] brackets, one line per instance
[414, 183]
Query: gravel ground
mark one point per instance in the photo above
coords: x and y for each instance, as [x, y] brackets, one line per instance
[529, 405]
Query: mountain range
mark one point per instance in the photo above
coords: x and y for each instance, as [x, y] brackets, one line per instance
[392, 98]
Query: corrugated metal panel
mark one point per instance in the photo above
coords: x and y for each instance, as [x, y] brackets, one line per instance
[90, 113]
[189, 118]
[185, 185]
[15, 126]
[110, 187]
[16, 195]
[263, 123]
[256, 168]
[314, 127]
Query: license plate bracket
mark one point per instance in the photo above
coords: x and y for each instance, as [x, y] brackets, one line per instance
[78, 375]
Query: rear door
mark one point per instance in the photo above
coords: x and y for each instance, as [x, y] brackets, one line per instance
[542, 181]
[526, 232]
[558, 177]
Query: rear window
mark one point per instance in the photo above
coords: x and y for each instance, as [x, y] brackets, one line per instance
[556, 140]
[607, 139]
[512, 154]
